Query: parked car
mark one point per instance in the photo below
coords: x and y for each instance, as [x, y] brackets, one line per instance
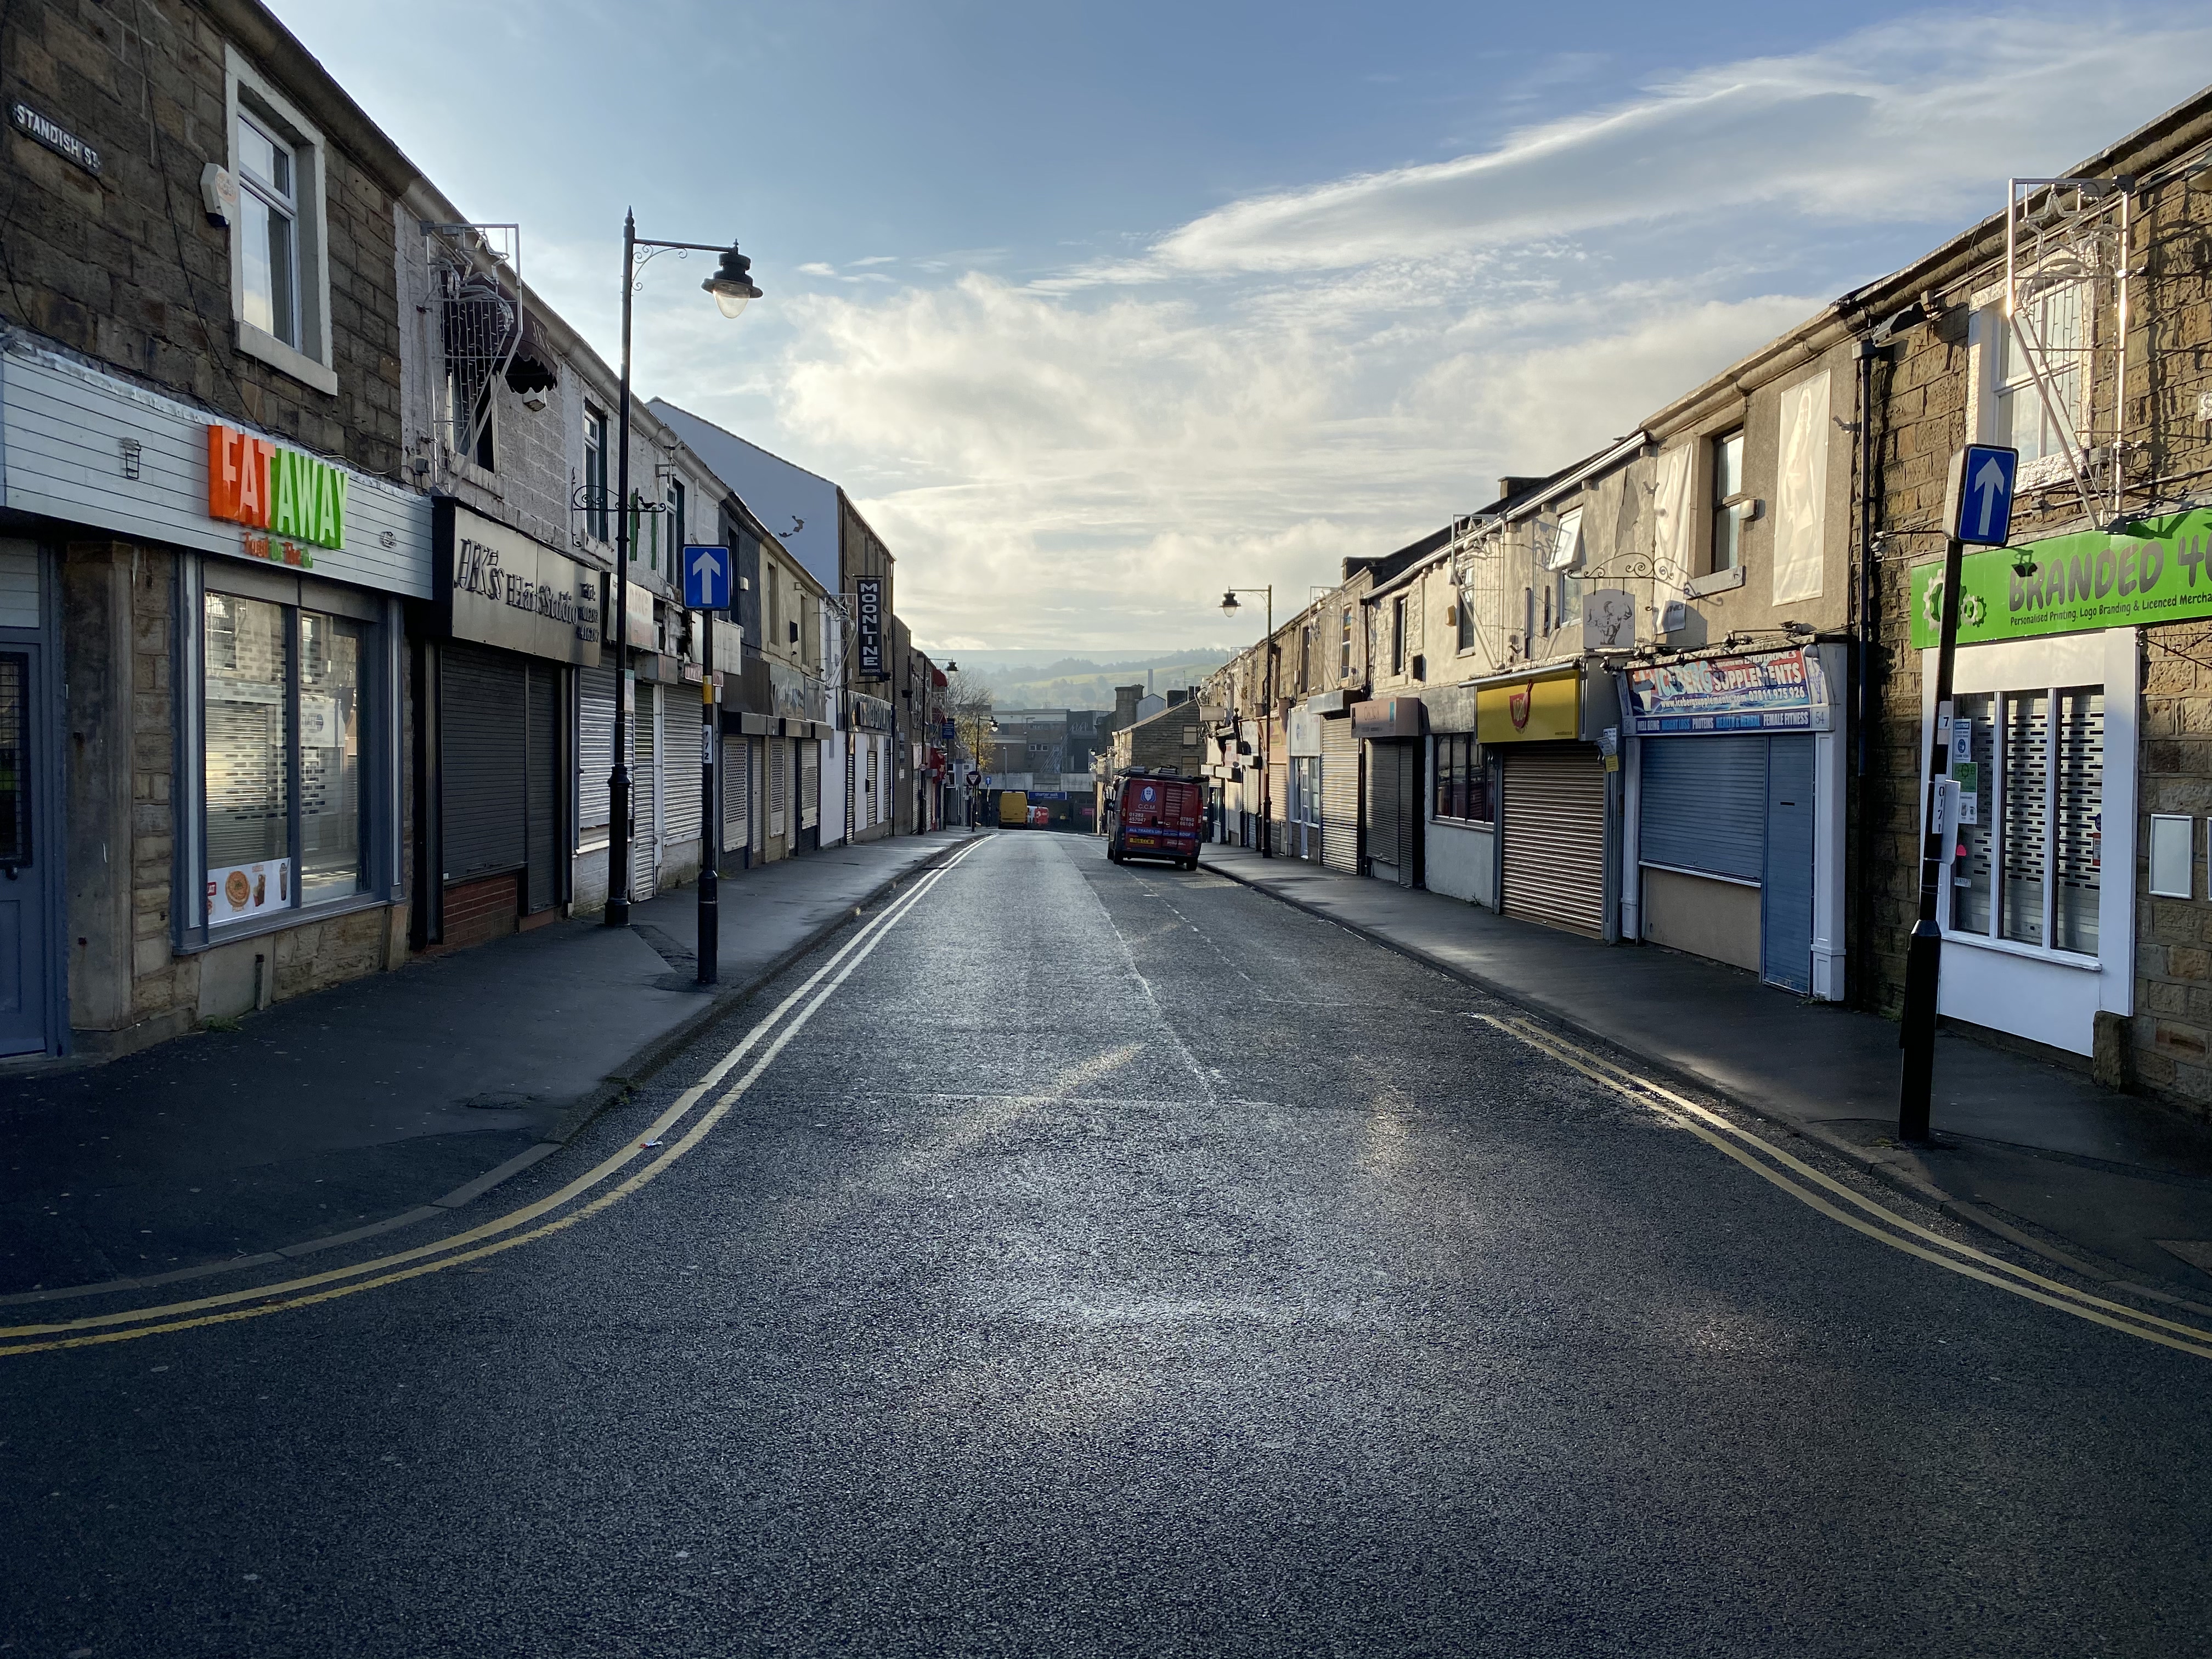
[1157, 818]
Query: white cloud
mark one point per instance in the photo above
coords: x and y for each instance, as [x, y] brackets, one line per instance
[1084, 459]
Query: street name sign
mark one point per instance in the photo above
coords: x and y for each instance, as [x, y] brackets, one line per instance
[706, 578]
[1979, 509]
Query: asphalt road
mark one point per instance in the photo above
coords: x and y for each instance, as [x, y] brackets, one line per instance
[1117, 1261]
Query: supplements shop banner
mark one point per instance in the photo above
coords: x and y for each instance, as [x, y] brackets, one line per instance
[2154, 570]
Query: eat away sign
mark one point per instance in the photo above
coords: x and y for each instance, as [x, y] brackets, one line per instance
[250, 481]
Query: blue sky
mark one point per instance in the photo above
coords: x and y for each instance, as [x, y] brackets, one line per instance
[1094, 309]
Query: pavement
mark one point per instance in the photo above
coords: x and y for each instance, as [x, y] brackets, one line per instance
[1114, 1261]
[386, 1101]
[2034, 1151]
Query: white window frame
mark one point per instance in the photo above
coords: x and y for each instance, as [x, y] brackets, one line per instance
[1985, 322]
[244, 92]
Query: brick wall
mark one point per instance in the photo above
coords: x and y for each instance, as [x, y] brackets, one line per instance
[124, 267]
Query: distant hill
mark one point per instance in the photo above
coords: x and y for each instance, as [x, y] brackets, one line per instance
[1083, 682]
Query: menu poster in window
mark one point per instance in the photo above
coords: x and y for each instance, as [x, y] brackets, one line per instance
[241, 891]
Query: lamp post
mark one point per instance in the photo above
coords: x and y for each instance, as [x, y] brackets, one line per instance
[731, 286]
[1230, 608]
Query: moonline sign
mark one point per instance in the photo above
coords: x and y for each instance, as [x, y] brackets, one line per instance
[869, 593]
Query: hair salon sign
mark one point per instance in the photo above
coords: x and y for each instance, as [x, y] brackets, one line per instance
[498, 587]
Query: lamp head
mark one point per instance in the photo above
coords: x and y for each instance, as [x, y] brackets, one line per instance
[1229, 606]
[733, 284]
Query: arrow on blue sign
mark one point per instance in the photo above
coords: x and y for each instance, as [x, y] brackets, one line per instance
[1980, 507]
[707, 579]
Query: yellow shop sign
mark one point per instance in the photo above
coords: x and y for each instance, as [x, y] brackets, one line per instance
[1547, 710]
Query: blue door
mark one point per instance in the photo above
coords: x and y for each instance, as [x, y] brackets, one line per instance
[26, 1000]
[1786, 901]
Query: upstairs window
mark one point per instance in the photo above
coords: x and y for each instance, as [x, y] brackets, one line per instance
[595, 472]
[280, 290]
[1344, 646]
[1728, 493]
[269, 210]
[2018, 415]
[678, 533]
[1398, 635]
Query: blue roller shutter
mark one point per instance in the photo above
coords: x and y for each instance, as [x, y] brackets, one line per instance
[1705, 805]
[1786, 905]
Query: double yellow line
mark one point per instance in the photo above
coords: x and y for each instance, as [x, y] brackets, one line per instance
[1833, 1199]
[553, 1213]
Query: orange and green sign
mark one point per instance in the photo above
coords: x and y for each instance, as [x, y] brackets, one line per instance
[255, 482]
[2154, 570]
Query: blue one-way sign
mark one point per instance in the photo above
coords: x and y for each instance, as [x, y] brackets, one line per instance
[1979, 507]
[706, 578]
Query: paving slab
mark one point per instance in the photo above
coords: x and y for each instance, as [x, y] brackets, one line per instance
[383, 1095]
[2036, 1141]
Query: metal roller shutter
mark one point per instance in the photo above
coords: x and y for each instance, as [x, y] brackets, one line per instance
[1340, 796]
[1786, 904]
[595, 743]
[1704, 804]
[481, 765]
[1382, 808]
[777, 765]
[737, 792]
[543, 742]
[685, 810]
[645, 794]
[1554, 830]
[810, 785]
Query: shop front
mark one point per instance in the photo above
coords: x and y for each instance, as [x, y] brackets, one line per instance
[1303, 790]
[497, 746]
[1734, 844]
[2038, 925]
[1390, 729]
[1555, 736]
[1460, 836]
[225, 611]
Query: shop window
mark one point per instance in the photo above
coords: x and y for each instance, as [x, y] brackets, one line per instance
[1462, 781]
[283, 748]
[2027, 789]
[1304, 803]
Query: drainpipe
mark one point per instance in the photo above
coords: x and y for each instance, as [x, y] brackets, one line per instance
[1867, 352]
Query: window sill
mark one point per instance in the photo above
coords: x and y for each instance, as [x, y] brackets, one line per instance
[329, 910]
[286, 359]
[1489, 824]
[2006, 947]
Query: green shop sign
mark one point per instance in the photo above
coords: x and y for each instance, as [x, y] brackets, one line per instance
[2156, 570]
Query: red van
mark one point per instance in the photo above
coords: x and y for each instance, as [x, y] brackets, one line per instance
[1157, 818]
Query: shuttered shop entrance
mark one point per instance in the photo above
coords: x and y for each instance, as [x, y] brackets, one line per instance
[1340, 796]
[1553, 826]
[1394, 811]
[499, 764]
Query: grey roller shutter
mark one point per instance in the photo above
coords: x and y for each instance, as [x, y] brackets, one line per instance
[1704, 804]
[737, 792]
[1554, 825]
[681, 820]
[482, 762]
[1340, 796]
[810, 785]
[542, 762]
[595, 743]
[644, 795]
[1385, 809]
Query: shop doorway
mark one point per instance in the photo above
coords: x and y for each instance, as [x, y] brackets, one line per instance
[27, 997]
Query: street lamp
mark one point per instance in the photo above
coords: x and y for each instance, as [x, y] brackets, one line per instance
[731, 286]
[1230, 608]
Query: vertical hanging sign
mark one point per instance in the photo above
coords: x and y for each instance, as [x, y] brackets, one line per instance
[869, 594]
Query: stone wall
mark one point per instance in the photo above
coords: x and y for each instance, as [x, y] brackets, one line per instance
[125, 267]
